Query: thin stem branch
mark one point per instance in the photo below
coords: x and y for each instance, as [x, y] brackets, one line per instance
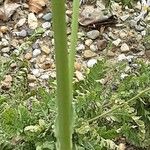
[119, 106]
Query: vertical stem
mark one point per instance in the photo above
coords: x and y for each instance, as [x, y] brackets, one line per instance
[63, 128]
[74, 30]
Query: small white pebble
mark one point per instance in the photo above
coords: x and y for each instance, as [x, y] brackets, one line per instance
[88, 42]
[36, 72]
[44, 76]
[91, 63]
[121, 57]
[93, 47]
[123, 75]
[80, 47]
[36, 52]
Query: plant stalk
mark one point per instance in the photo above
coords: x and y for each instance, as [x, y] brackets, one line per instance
[74, 30]
[64, 121]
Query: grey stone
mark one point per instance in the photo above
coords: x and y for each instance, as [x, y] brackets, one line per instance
[47, 16]
[121, 57]
[93, 34]
[125, 17]
[4, 42]
[46, 25]
[93, 47]
[23, 33]
[36, 72]
[5, 49]
[80, 47]
[36, 52]
[102, 44]
[44, 76]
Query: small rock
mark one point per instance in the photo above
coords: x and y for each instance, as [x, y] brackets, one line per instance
[45, 49]
[32, 85]
[14, 43]
[40, 15]
[46, 25]
[6, 84]
[28, 56]
[42, 59]
[6, 55]
[124, 48]
[4, 42]
[101, 44]
[79, 75]
[130, 58]
[93, 47]
[31, 78]
[125, 17]
[103, 81]
[8, 78]
[122, 34]
[80, 47]
[139, 37]
[91, 63]
[139, 28]
[36, 72]
[35, 45]
[122, 146]
[81, 35]
[112, 36]
[46, 65]
[143, 33]
[53, 74]
[21, 22]
[89, 54]
[123, 75]
[117, 42]
[36, 52]
[53, 41]
[13, 65]
[32, 21]
[23, 33]
[138, 5]
[77, 66]
[140, 48]
[110, 53]
[121, 57]
[16, 52]
[147, 45]
[67, 19]
[88, 42]
[47, 17]
[93, 34]
[44, 76]
[147, 52]
[5, 49]
[3, 29]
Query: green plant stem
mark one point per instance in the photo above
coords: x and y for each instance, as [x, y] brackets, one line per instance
[63, 128]
[119, 106]
[74, 30]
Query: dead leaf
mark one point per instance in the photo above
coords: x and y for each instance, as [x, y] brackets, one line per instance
[7, 10]
[93, 17]
[36, 6]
